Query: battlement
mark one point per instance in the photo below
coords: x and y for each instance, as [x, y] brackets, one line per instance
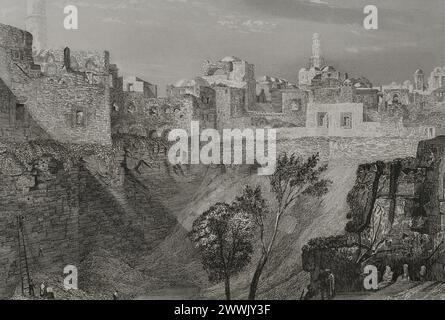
[16, 39]
[143, 117]
[54, 61]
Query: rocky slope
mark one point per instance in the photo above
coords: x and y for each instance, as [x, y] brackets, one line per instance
[175, 260]
[135, 221]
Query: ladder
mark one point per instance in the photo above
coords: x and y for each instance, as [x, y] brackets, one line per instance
[25, 277]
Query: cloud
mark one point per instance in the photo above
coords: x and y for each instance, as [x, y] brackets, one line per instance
[113, 20]
[380, 48]
[258, 25]
[318, 2]
[308, 10]
[148, 22]
[246, 25]
[360, 49]
[6, 11]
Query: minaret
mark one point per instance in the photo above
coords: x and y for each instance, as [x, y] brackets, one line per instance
[419, 80]
[317, 60]
[36, 23]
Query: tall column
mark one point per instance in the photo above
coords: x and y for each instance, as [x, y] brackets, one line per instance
[36, 23]
[317, 60]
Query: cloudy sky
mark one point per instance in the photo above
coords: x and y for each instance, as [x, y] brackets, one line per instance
[165, 40]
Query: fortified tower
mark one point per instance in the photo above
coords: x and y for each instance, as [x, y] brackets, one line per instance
[36, 23]
[317, 60]
[419, 80]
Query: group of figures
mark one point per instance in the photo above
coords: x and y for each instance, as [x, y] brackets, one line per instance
[46, 292]
[388, 276]
[324, 287]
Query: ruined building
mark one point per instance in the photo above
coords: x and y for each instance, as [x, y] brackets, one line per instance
[75, 96]
[316, 64]
[187, 101]
[436, 79]
[232, 72]
[133, 84]
[419, 80]
[266, 84]
[71, 104]
[226, 90]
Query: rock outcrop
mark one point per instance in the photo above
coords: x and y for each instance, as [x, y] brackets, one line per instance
[396, 217]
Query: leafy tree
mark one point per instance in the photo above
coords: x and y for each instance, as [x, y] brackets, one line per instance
[293, 177]
[224, 235]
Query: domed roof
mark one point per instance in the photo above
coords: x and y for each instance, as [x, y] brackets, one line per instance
[182, 83]
[328, 69]
[230, 59]
[198, 81]
[419, 71]
[267, 78]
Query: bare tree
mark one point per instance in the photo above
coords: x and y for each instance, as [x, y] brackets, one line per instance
[293, 177]
[372, 239]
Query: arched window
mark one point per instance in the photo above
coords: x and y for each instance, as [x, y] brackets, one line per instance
[131, 108]
[296, 104]
[67, 58]
[79, 118]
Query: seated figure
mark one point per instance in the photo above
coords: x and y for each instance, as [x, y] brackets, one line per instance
[405, 275]
[387, 278]
[422, 274]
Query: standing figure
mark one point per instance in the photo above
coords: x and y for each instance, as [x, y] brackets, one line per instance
[331, 284]
[323, 284]
[405, 275]
[31, 288]
[50, 293]
[43, 290]
[311, 293]
[422, 274]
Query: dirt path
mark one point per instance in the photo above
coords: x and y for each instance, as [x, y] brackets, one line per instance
[412, 290]
[171, 294]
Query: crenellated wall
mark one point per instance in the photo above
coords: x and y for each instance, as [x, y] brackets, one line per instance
[68, 96]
